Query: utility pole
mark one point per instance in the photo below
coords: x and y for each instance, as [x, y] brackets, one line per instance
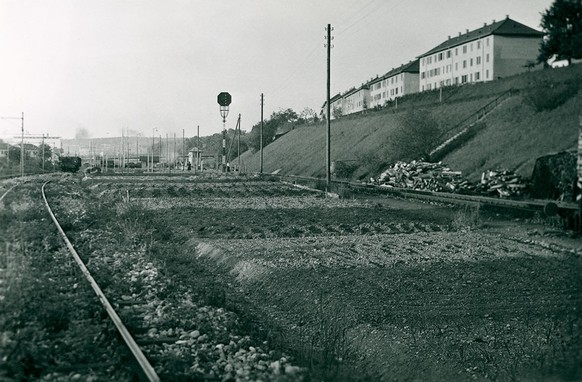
[198, 148]
[238, 145]
[153, 149]
[261, 133]
[137, 148]
[22, 147]
[328, 140]
[43, 152]
[174, 151]
[183, 156]
[21, 142]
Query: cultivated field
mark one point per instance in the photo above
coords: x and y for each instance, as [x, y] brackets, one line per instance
[329, 288]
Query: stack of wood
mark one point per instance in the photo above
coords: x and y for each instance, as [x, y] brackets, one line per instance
[501, 183]
[426, 176]
[437, 177]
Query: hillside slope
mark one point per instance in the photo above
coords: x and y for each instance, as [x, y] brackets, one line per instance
[515, 134]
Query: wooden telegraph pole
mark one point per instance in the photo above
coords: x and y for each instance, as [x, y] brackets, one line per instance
[261, 133]
[328, 139]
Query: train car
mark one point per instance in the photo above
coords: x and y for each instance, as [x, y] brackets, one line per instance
[70, 164]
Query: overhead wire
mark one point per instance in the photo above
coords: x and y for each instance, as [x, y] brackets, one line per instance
[357, 16]
[304, 61]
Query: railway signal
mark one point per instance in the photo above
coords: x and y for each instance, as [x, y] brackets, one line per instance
[224, 99]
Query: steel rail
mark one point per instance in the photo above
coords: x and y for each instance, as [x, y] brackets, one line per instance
[448, 197]
[141, 359]
[7, 191]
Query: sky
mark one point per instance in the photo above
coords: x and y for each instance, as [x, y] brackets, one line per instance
[97, 68]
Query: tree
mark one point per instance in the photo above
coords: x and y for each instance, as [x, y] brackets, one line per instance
[308, 115]
[270, 127]
[415, 136]
[47, 152]
[562, 23]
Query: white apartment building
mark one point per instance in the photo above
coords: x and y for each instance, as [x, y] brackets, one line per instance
[396, 83]
[494, 51]
[356, 100]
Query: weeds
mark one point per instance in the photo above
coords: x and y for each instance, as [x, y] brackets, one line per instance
[467, 218]
[548, 95]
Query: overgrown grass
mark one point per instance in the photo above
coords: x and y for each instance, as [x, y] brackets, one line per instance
[514, 136]
[467, 217]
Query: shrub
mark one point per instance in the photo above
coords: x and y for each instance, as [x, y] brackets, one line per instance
[467, 218]
[548, 96]
[415, 136]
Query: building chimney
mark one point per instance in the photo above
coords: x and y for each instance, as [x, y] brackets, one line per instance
[459, 34]
[485, 24]
[449, 37]
[506, 16]
[467, 31]
[493, 22]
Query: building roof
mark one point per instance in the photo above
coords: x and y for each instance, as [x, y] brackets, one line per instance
[355, 90]
[332, 100]
[411, 67]
[506, 27]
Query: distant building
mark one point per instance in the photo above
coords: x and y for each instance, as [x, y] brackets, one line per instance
[396, 83]
[493, 51]
[356, 100]
[335, 103]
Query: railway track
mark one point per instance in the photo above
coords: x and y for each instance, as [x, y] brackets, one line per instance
[550, 208]
[146, 371]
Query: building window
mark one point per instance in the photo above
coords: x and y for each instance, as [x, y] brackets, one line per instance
[456, 80]
[487, 57]
[464, 63]
[471, 62]
[464, 49]
[422, 87]
[487, 74]
[471, 77]
[456, 66]
[479, 60]
[487, 41]
[478, 44]
[448, 54]
[396, 91]
[471, 47]
[464, 79]
[477, 76]
[422, 76]
[456, 51]
[440, 56]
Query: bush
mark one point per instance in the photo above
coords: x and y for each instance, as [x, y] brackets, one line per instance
[415, 136]
[548, 96]
[343, 170]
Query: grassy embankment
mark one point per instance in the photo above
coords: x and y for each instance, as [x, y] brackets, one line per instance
[515, 134]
